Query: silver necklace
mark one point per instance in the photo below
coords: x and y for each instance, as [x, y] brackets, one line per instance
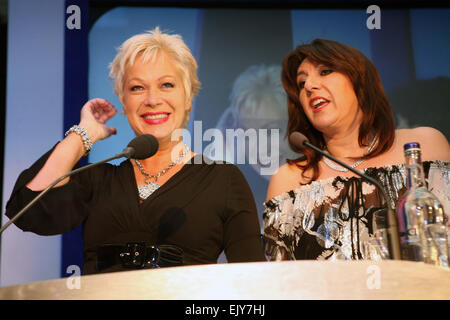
[149, 187]
[337, 167]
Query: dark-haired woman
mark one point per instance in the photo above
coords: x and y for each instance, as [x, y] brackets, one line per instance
[316, 209]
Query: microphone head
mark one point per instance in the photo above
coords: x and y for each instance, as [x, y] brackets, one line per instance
[297, 140]
[143, 146]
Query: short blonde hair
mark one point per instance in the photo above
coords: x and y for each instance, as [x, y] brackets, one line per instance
[149, 44]
[258, 85]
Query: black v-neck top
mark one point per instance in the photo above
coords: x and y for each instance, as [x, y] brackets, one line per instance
[205, 208]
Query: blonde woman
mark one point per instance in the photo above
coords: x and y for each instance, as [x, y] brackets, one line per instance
[166, 210]
[258, 102]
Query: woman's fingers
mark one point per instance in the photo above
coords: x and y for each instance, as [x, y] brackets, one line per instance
[108, 114]
[102, 110]
[112, 130]
[94, 114]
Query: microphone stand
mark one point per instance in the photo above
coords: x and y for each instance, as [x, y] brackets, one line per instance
[392, 228]
[141, 147]
[43, 192]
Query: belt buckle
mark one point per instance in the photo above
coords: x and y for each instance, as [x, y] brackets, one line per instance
[152, 257]
[137, 255]
[134, 255]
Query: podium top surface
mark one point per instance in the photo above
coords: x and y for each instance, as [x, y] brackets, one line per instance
[287, 280]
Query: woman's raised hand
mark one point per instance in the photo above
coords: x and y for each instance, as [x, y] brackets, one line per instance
[94, 114]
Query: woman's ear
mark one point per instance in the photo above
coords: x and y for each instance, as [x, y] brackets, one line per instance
[124, 111]
[188, 107]
[187, 113]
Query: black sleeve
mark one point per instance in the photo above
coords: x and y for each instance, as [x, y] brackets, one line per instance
[60, 210]
[242, 234]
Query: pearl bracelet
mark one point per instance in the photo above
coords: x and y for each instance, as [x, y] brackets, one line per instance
[84, 136]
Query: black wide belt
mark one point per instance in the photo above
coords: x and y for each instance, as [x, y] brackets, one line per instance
[138, 255]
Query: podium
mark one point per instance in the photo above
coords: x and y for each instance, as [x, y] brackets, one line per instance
[286, 280]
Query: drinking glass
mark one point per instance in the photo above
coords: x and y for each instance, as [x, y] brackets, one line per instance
[328, 233]
[376, 248]
[437, 242]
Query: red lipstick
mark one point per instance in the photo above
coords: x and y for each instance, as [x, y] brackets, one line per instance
[318, 103]
[155, 117]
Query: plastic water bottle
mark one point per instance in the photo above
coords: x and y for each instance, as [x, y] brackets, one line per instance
[420, 214]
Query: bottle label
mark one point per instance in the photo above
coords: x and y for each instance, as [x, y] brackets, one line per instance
[413, 231]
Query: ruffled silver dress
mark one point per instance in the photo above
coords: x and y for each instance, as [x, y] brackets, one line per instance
[335, 218]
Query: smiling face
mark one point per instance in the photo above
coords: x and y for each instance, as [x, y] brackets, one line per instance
[154, 97]
[328, 98]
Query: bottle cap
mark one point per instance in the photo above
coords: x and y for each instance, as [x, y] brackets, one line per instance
[411, 146]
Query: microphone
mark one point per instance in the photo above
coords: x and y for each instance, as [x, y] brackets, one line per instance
[300, 141]
[141, 147]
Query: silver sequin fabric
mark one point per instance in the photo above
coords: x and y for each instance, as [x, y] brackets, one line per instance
[334, 219]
